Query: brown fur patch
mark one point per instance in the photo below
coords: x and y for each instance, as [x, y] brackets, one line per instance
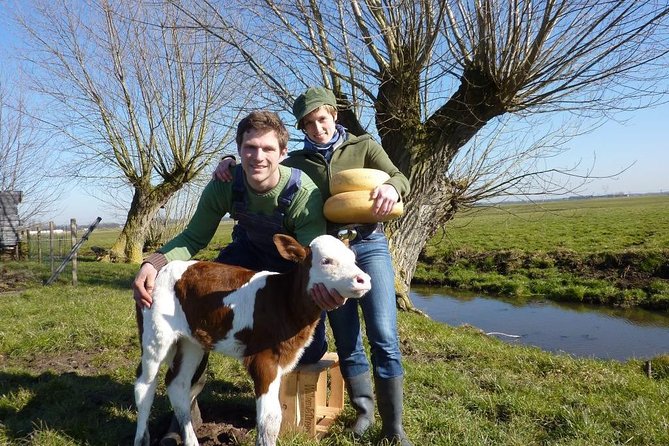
[201, 290]
[284, 314]
[284, 319]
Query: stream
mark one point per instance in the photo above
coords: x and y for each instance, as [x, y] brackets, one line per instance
[577, 329]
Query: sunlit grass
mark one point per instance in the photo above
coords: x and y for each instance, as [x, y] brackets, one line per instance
[68, 354]
[607, 250]
[584, 226]
[68, 357]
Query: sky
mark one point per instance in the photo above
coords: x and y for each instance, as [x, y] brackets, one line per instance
[640, 143]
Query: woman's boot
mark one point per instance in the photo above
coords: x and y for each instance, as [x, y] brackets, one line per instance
[360, 393]
[389, 397]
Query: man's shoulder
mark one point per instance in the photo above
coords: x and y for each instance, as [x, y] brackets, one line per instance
[216, 186]
[284, 170]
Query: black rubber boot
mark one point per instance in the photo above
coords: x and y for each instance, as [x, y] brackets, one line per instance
[389, 397]
[360, 393]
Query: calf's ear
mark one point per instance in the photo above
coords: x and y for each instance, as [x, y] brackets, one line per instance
[289, 248]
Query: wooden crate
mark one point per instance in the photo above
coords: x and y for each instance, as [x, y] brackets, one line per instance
[312, 396]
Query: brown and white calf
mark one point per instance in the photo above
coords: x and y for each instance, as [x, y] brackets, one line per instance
[264, 319]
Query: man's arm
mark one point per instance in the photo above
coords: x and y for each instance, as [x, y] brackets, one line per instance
[214, 203]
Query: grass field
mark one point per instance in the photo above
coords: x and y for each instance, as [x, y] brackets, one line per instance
[582, 226]
[68, 357]
[68, 354]
[607, 250]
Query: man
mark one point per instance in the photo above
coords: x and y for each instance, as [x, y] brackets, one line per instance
[264, 198]
[328, 149]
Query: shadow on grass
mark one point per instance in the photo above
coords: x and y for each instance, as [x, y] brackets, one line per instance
[99, 409]
[88, 409]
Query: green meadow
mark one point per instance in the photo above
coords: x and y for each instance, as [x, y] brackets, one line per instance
[68, 354]
[612, 251]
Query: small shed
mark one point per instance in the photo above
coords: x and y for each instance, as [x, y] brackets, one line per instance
[9, 218]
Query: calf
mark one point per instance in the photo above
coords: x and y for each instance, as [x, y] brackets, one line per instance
[264, 319]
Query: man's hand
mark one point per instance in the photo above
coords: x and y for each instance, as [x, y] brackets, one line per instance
[385, 196]
[223, 171]
[142, 286]
[325, 299]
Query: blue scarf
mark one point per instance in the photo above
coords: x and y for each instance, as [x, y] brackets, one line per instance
[326, 149]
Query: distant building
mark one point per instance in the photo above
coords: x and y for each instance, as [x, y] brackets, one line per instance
[9, 218]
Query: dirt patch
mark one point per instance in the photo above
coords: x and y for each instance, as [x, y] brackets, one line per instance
[208, 434]
[15, 280]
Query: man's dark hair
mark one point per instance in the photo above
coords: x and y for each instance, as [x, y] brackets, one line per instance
[263, 120]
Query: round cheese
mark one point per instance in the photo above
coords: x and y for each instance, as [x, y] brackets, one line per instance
[357, 179]
[356, 207]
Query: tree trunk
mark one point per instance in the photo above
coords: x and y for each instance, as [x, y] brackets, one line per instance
[424, 152]
[429, 206]
[129, 246]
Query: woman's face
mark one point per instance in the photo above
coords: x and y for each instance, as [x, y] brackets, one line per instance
[319, 125]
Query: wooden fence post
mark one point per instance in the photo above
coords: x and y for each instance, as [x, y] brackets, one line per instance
[39, 244]
[51, 253]
[17, 247]
[73, 232]
[28, 242]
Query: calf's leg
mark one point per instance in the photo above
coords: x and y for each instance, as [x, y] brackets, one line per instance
[173, 435]
[184, 366]
[268, 414]
[145, 386]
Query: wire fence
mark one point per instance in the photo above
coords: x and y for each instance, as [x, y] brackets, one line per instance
[46, 244]
[49, 244]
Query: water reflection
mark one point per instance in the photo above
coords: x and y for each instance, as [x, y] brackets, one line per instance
[577, 329]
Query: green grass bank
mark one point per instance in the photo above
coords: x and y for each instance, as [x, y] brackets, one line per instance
[68, 354]
[612, 251]
[68, 357]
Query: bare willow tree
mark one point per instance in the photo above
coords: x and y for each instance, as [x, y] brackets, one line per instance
[430, 77]
[143, 102]
[26, 156]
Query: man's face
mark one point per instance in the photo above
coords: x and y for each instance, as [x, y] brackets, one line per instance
[261, 155]
[319, 125]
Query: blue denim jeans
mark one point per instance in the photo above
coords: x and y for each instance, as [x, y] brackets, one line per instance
[379, 310]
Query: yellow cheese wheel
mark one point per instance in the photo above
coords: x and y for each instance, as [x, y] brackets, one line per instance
[357, 179]
[356, 207]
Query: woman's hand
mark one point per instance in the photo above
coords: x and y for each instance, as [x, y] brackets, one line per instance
[223, 171]
[385, 196]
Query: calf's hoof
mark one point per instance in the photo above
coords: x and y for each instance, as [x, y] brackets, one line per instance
[173, 435]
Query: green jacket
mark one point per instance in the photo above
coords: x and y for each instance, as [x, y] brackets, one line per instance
[355, 152]
[304, 218]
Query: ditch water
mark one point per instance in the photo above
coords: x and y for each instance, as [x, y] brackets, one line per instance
[577, 329]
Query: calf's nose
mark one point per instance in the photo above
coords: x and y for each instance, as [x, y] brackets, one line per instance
[363, 280]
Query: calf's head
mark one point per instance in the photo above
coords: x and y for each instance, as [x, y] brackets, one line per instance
[332, 264]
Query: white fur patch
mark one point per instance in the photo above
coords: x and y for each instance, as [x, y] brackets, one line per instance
[242, 302]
